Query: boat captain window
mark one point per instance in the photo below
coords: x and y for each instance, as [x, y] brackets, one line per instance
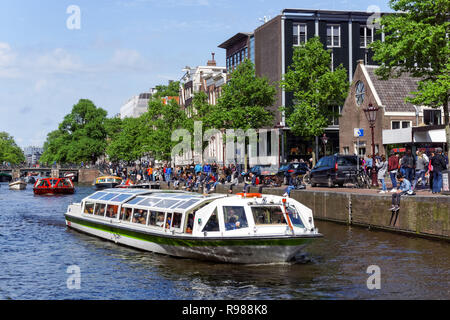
[213, 222]
[234, 217]
[295, 217]
[268, 215]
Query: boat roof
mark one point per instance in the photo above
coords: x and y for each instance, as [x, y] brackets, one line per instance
[151, 199]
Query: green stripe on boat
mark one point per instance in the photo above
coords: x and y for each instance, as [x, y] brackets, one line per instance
[178, 241]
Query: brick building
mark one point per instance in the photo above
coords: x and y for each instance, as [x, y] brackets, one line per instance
[395, 116]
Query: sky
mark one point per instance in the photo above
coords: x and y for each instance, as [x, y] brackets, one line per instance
[51, 56]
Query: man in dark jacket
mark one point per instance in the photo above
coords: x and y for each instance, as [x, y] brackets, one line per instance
[408, 165]
[439, 165]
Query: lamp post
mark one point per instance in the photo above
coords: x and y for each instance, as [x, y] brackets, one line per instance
[371, 115]
[324, 140]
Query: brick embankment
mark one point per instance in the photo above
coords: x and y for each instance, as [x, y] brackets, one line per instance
[423, 215]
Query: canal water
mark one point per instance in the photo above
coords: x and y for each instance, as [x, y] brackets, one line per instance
[37, 251]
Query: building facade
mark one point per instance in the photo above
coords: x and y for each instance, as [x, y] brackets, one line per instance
[347, 34]
[135, 106]
[33, 154]
[396, 119]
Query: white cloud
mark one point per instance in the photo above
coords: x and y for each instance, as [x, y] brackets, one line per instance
[58, 61]
[7, 57]
[127, 58]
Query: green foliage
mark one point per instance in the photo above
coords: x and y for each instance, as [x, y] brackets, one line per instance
[157, 126]
[81, 136]
[316, 89]
[244, 101]
[416, 42]
[171, 90]
[9, 151]
[126, 142]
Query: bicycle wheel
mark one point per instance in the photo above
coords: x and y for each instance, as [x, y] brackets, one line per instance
[306, 178]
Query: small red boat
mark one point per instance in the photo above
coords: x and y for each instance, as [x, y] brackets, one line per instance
[53, 186]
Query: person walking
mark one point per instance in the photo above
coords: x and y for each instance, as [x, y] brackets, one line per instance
[393, 169]
[408, 165]
[439, 165]
[382, 166]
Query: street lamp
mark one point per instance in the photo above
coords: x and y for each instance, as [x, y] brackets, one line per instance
[371, 115]
[324, 140]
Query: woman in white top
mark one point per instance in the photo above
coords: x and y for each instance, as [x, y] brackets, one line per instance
[382, 168]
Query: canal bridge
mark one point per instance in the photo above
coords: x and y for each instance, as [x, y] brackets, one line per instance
[82, 174]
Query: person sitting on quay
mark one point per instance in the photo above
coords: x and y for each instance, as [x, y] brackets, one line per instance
[405, 188]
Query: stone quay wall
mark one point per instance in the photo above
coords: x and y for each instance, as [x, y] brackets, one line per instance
[423, 216]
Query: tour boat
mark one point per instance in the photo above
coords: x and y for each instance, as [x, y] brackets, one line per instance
[5, 177]
[18, 185]
[245, 228]
[53, 186]
[107, 182]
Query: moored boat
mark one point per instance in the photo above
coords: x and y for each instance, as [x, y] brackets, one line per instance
[107, 182]
[235, 229]
[53, 186]
[5, 177]
[18, 185]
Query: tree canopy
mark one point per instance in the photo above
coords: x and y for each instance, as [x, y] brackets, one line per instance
[244, 101]
[81, 136]
[417, 42]
[10, 152]
[316, 89]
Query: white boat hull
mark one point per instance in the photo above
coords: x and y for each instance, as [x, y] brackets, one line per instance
[19, 185]
[232, 253]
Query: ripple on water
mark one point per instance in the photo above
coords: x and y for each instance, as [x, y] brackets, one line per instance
[37, 249]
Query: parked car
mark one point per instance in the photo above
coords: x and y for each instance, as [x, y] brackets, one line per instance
[336, 169]
[292, 169]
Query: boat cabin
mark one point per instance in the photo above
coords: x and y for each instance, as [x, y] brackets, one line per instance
[193, 214]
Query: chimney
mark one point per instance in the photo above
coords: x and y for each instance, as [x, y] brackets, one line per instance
[211, 62]
[360, 61]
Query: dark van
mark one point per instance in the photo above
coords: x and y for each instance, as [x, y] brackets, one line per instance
[336, 169]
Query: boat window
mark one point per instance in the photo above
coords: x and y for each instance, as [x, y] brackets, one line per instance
[126, 214]
[135, 200]
[159, 218]
[295, 217]
[89, 207]
[234, 217]
[97, 195]
[43, 183]
[140, 216]
[268, 215]
[99, 209]
[121, 197]
[190, 223]
[111, 211]
[177, 220]
[187, 204]
[213, 222]
[165, 203]
[108, 196]
[168, 220]
[64, 183]
[53, 181]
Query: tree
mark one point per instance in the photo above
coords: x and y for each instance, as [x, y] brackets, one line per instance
[244, 101]
[126, 139]
[157, 126]
[316, 89]
[417, 42]
[81, 136]
[171, 90]
[9, 151]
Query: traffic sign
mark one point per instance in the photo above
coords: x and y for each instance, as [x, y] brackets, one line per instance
[358, 132]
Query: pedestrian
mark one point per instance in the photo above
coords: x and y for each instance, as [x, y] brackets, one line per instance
[407, 165]
[382, 166]
[439, 165]
[393, 169]
[421, 167]
[405, 187]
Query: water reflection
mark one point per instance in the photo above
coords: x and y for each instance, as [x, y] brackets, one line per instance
[37, 249]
